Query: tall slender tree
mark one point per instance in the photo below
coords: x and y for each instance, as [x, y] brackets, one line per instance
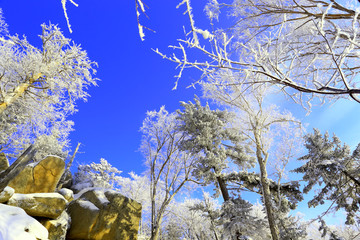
[168, 167]
[273, 134]
[262, 133]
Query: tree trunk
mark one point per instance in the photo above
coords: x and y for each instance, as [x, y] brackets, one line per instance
[155, 232]
[266, 190]
[11, 97]
[153, 211]
[223, 188]
[226, 197]
[222, 185]
[267, 202]
[15, 168]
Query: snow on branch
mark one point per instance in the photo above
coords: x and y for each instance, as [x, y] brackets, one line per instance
[140, 9]
[308, 49]
[63, 3]
[205, 33]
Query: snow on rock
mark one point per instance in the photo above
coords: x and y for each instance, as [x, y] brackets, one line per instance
[86, 189]
[49, 205]
[15, 224]
[103, 214]
[6, 194]
[67, 194]
[88, 205]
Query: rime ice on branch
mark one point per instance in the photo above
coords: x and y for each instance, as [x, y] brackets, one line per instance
[309, 49]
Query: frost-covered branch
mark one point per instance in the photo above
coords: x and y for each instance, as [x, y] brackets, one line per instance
[63, 3]
[309, 49]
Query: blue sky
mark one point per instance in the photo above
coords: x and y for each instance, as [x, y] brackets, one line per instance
[133, 78]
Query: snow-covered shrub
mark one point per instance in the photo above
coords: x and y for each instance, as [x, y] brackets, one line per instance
[102, 175]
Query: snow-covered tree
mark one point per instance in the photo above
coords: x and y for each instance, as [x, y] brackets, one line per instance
[236, 217]
[215, 142]
[319, 230]
[39, 88]
[308, 48]
[347, 232]
[271, 136]
[135, 187]
[168, 167]
[196, 218]
[102, 175]
[334, 169]
[274, 137]
[211, 138]
[139, 6]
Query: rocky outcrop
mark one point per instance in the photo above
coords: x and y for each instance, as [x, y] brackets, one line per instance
[49, 205]
[4, 163]
[58, 228]
[40, 177]
[99, 214]
[6, 194]
[94, 214]
[84, 215]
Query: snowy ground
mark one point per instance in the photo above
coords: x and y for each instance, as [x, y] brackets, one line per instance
[15, 224]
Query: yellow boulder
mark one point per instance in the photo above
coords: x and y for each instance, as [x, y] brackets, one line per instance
[39, 177]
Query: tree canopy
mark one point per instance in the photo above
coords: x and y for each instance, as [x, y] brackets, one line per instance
[39, 88]
[331, 166]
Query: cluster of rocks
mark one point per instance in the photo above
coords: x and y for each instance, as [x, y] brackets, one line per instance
[91, 214]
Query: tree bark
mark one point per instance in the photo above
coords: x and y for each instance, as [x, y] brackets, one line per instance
[13, 96]
[350, 176]
[156, 230]
[223, 189]
[266, 189]
[153, 210]
[267, 202]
